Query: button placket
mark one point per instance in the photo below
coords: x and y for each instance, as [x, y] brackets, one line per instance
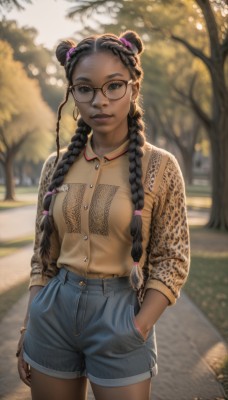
[91, 186]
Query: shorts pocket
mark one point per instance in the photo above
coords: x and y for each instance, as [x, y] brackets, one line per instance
[37, 295]
[44, 298]
[134, 328]
[120, 335]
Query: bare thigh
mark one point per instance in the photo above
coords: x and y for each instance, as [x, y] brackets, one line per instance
[137, 391]
[44, 387]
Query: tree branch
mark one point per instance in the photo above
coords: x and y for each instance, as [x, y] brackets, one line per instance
[224, 47]
[212, 28]
[16, 146]
[2, 137]
[88, 6]
[194, 50]
[196, 107]
[2, 157]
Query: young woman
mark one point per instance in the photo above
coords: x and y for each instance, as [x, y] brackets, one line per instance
[112, 248]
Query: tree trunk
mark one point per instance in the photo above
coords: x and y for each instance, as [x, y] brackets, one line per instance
[219, 147]
[9, 178]
[188, 161]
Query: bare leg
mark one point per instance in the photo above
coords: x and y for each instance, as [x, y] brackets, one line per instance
[137, 391]
[46, 387]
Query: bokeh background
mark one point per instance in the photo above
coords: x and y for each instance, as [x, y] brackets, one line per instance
[185, 98]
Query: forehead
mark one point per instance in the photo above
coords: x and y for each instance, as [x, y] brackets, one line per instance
[99, 66]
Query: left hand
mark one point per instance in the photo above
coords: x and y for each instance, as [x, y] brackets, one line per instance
[23, 367]
[154, 303]
[144, 332]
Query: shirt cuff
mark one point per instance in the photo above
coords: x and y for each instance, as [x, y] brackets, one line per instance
[161, 287]
[38, 280]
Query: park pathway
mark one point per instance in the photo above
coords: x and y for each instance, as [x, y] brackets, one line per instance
[17, 222]
[187, 343]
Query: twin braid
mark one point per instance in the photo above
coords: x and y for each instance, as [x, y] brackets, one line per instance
[136, 141]
[78, 142]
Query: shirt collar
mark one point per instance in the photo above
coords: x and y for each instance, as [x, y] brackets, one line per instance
[90, 155]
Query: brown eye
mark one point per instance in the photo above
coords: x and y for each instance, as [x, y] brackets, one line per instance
[83, 89]
[115, 86]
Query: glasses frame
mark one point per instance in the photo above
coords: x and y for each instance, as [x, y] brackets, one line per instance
[95, 89]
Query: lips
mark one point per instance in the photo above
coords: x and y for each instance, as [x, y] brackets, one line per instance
[101, 116]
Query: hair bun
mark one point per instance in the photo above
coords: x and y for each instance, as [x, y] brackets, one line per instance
[62, 49]
[134, 39]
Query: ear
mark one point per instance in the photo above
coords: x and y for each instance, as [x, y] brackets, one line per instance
[135, 90]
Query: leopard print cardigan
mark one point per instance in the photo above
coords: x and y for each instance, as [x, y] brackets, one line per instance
[167, 260]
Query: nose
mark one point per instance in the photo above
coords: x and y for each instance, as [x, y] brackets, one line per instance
[99, 98]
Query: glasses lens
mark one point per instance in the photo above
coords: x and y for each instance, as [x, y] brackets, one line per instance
[82, 93]
[114, 90]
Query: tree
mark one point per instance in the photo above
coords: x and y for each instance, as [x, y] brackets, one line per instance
[164, 67]
[24, 117]
[7, 5]
[38, 61]
[176, 21]
[215, 122]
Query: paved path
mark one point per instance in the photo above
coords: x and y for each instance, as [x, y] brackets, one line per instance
[187, 345]
[198, 217]
[15, 268]
[17, 222]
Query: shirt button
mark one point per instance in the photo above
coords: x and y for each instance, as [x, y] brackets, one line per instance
[97, 166]
[85, 207]
[85, 237]
[85, 259]
[91, 186]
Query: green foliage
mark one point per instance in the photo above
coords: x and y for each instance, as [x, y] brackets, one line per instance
[39, 62]
[11, 246]
[207, 286]
[11, 296]
[24, 116]
[8, 5]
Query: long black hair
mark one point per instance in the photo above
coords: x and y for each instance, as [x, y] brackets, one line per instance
[127, 47]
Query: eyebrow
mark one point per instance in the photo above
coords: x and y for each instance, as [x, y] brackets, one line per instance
[83, 78]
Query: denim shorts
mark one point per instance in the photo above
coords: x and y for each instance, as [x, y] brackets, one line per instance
[85, 327]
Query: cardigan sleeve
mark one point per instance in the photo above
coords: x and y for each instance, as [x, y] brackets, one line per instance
[36, 276]
[168, 259]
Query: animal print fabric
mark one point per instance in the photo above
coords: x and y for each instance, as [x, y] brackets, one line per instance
[168, 252]
[167, 263]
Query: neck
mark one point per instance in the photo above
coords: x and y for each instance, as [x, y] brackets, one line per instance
[102, 146]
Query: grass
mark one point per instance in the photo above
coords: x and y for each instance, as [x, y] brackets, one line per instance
[8, 247]
[20, 190]
[198, 190]
[11, 296]
[222, 374]
[207, 284]
[198, 197]
[25, 196]
[9, 205]
[202, 203]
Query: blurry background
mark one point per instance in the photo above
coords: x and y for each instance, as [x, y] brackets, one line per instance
[185, 98]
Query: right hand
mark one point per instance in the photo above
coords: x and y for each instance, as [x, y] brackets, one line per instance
[23, 367]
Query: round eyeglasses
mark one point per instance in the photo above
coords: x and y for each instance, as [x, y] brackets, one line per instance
[113, 90]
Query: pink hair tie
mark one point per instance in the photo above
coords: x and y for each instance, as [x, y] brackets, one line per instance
[45, 212]
[126, 43]
[49, 193]
[138, 212]
[69, 53]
